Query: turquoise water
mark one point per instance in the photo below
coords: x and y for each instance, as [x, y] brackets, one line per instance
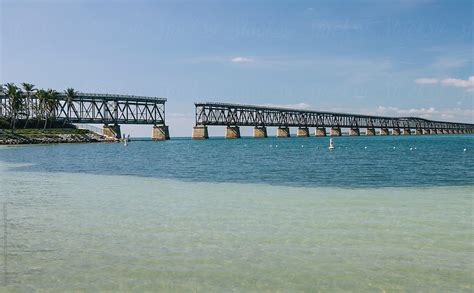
[242, 215]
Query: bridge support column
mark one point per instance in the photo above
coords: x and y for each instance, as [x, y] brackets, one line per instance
[418, 131]
[407, 131]
[335, 131]
[439, 131]
[354, 131]
[200, 132]
[260, 132]
[283, 132]
[426, 131]
[232, 132]
[384, 131]
[451, 131]
[112, 131]
[302, 132]
[370, 131]
[320, 131]
[396, 131]
[432, 131]
[445, 131]
[160, 132]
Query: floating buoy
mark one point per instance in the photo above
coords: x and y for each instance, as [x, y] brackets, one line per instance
[331, 144]
[394, 147]
[465, 150]
[365, 148]
[302, 146]
[411, 149]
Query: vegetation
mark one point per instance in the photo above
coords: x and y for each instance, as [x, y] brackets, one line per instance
[33, 106]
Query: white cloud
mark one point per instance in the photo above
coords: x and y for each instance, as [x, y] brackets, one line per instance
[426, 80]
[469, 83]
[411, 111]
[300, 106]
[240, 59]
[451, 114]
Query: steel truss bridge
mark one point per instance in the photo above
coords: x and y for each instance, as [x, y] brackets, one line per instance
[224, 114]
[95, 109]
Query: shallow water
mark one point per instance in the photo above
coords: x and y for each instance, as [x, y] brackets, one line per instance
[76, 219]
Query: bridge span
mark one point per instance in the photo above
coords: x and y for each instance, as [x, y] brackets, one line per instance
[107, 109]
[233, 116]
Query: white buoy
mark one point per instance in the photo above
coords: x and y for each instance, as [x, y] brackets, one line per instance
[365, 148]
[302, 146]
[411, 149]
[465, 150]
[331, 144]
[394, 147]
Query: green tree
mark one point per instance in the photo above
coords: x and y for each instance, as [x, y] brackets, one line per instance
[42, 96]
[70, 95]
[52, 103]
[16, 101]
[29, 89]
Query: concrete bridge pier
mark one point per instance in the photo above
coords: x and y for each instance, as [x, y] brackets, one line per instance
[200, 132]
[426, 131]
[396, 131]
[439, 131]
[384, 131]
[320, 131]
[407, 131]
[370, 131]
[451, 131]
[160, 132]
[112, 131]
[302, 132]
[432, 131]
[418, 131]
[283, 132]
[335, 131]
[232, 131]
[445, 131]
[354, 131]
[260, 132]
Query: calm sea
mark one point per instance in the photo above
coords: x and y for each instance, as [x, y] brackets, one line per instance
[375, 214]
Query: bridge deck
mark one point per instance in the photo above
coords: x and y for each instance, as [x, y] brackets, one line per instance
[215, 113]
[95, 108]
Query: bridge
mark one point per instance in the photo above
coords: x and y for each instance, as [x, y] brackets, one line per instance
[260, 117]
[109, 110]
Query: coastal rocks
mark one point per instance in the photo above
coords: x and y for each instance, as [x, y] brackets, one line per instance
[8, 138]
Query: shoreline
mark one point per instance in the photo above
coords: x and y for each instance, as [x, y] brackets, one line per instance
[50, 136]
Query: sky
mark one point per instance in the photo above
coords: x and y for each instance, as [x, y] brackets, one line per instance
[399, 58]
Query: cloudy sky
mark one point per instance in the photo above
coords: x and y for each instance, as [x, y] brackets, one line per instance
[384, 57]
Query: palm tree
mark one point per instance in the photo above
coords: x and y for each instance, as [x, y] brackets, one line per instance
[15, 101]
[29, 89]
[70, 95]
[42, 96]
[51, 105]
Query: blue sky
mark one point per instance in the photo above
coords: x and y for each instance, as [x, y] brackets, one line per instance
[387, 57]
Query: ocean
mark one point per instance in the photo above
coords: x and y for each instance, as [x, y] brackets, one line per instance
[376, 214]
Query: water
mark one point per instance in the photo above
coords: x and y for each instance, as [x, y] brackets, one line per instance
[241, 215]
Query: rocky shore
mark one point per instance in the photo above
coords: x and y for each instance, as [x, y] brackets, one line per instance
[36, 136]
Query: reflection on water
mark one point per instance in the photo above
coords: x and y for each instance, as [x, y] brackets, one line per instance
[109, 232]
